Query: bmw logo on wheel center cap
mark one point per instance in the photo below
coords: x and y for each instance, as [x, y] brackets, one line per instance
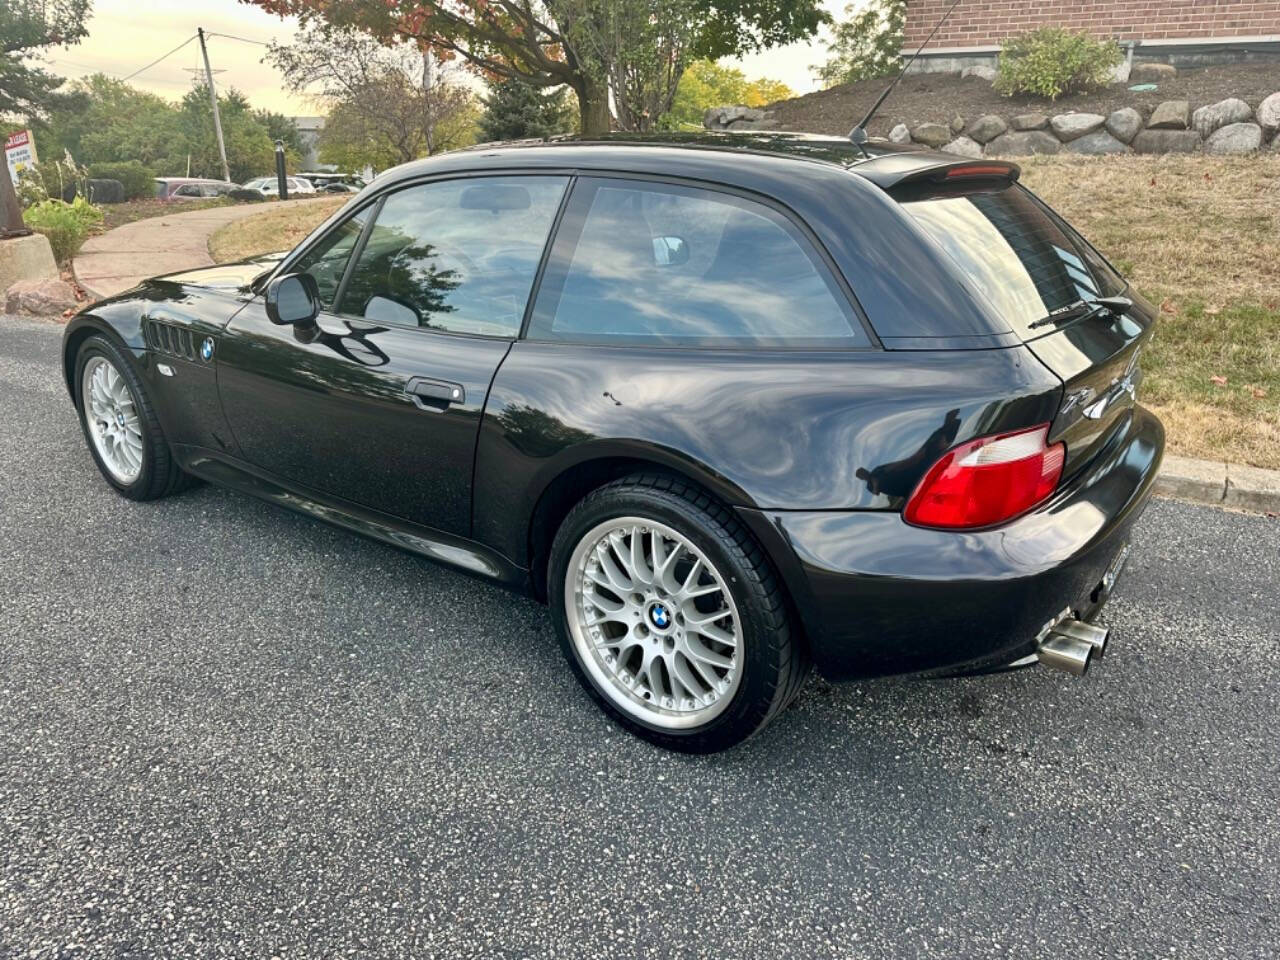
[660, 616]
[206, 349]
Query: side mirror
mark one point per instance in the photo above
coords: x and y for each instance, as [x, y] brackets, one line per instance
[670, 251]
[293, 299]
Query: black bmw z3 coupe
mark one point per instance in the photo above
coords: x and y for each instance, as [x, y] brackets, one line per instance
[733, 407]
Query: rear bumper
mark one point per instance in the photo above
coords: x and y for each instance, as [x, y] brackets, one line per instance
[877, 596]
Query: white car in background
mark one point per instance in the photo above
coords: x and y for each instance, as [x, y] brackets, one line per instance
[268, 187]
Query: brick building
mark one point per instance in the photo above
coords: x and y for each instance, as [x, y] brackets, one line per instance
[1181, 32]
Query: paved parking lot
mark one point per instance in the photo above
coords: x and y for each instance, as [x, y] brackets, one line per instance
[226, 730]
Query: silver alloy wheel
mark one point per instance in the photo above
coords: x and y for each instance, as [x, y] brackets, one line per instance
[653, 623]
[112, 417]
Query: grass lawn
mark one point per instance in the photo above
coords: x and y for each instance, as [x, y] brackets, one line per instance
[1198, 235]
[1201, 237]
[280, 226]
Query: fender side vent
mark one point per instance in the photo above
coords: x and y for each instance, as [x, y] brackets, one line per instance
[170, 339]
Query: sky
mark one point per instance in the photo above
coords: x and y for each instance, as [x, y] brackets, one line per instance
[122, 39]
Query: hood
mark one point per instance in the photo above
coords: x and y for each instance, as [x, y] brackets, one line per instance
[224, 276]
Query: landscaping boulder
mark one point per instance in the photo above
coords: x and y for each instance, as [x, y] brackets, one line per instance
[1023, 144]
[1217, 115]
[1124, 124]
[1269, 114]
[964, 147]
[981, 71]
[986, 128]
[1029, 121]
[1170, 115]
[1235, 138]
[721, 118]
[1152, 72]
[957, 123]
[1166, 141]
[900, 134]
[931, 134]
[1068, 126]
[26, 258]
[1096, 144]
[50, 297]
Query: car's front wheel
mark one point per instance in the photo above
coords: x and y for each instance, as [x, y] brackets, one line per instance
[120, 424]
[671, 616]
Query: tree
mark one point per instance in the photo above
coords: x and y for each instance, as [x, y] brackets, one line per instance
[388, 102]
[26, 28]
[102, 120]
[250, 150]
[706, 84]
[554, 43]
[280, 127]
[516, 111]
[866, 44]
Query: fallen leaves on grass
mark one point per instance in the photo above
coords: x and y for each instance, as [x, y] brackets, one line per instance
[1219, 381]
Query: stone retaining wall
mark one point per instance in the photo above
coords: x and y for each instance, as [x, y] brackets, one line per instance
[1230, 126]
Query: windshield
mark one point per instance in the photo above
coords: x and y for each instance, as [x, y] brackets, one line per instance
[1017, 252]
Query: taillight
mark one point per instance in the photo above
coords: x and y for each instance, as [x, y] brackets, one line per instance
[987, 481]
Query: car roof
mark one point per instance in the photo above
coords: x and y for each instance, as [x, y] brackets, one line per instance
[754, 159]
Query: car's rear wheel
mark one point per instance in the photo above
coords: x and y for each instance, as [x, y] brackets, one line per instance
[120, 424]
[671, 616]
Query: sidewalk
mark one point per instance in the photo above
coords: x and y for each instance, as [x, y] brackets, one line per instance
[123, 257]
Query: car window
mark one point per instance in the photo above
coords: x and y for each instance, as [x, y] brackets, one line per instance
[187, 190]
[1022, 257]
[327, 260]
[456, 255]
[664, 264]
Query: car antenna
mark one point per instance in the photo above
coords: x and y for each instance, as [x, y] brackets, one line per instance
[859, 133]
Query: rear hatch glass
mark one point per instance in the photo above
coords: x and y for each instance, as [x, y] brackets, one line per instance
[1029, 265]
[1019, 255]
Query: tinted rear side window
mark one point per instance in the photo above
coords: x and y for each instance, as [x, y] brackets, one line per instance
[1025, 260]
[655, 263]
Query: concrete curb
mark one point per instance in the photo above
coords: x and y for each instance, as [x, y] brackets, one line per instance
[1220, 484]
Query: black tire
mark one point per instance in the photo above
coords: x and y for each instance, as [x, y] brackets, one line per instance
[774, 663]
[160, 475]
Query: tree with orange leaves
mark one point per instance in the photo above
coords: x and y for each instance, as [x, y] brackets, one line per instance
[590, 46]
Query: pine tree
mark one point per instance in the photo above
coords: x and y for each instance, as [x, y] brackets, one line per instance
[514, 110]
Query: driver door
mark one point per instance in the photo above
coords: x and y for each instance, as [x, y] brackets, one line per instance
[422, 293]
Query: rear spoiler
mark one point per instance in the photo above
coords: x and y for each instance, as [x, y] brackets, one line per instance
[894, 171]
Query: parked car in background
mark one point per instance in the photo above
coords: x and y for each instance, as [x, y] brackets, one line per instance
[190, 188]
[731, 406]
[269, 186]
[334, 182]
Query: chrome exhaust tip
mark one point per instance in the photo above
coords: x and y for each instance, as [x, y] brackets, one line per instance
[1096, 637]
[1063, 652]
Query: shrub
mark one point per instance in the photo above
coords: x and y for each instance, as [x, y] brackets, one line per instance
[1051, 61]
[67, 225]
[137, 179]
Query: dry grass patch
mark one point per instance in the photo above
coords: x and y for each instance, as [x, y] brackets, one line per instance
[1200, 236]
[280, 226]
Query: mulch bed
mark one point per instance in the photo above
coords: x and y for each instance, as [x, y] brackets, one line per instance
[940, 96]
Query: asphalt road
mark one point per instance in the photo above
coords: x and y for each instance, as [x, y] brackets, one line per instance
[226, 730]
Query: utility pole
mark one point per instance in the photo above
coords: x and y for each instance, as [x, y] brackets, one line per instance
[213, 96]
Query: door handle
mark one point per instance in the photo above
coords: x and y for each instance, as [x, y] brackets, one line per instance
[434, 395]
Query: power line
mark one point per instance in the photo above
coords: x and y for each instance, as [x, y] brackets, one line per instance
[158, 59]
[241, 39]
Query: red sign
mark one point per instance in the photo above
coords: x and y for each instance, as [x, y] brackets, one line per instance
[19, 139]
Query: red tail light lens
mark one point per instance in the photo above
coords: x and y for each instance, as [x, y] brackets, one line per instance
[987, 481]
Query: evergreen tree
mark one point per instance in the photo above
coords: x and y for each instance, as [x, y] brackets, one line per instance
[514, 110]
